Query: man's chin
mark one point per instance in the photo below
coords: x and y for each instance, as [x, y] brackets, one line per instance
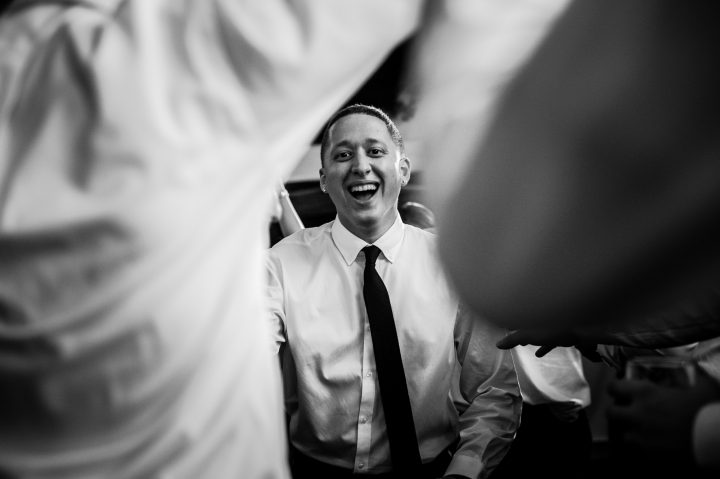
[365, 219]
[362, 217]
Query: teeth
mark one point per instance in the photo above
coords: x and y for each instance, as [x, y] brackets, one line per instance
[359, 188]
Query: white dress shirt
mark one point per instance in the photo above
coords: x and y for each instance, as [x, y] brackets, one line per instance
[556, 378]
[140, 145]
[331, 392]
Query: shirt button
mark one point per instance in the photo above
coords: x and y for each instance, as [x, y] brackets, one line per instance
[361, 465]
[369, 374]
[363, 419]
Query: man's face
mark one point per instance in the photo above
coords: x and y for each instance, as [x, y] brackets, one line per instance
[363, 171]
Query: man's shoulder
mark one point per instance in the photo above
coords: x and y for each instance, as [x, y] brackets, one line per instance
[306, 239]
[420, 237]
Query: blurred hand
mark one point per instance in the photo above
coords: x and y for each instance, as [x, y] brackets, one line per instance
[277, 209]
[654, 423]
[545, 338]
[276, 212]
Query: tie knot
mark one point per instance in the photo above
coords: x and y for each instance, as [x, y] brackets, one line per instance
[371, 255]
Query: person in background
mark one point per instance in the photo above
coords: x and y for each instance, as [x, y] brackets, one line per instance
[554, 438]
[656, 428]
[140, 143]
[341, 387]
[666, 412]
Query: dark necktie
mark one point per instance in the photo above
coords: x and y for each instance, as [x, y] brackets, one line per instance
[391, 376]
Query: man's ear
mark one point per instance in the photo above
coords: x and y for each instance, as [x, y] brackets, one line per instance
[405, 170]
[323, 181]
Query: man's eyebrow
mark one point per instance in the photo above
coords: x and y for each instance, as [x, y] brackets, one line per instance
[342, 143]
[366, 141]
[374, 140]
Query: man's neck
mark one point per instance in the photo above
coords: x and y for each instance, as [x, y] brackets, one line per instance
[369, 234]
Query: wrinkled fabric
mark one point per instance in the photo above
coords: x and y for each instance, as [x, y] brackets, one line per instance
[140, 143]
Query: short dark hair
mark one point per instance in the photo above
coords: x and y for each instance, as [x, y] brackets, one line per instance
[359, 108]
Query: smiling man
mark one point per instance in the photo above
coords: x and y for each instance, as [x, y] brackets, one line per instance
[368, 380]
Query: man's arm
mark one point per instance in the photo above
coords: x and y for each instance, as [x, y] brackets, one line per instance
[693, 319]
[488, 384]
[594, 194]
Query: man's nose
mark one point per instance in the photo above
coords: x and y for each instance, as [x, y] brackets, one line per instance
[361, 164]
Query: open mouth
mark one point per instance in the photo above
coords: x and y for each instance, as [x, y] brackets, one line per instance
[363, 192]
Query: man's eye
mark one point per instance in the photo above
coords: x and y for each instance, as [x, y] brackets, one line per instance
[376, 151]
[342, 155]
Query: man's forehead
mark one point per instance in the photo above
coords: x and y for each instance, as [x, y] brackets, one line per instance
[358, 126]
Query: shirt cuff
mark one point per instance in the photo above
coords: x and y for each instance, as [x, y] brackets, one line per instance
[706, 436]
[467, 466]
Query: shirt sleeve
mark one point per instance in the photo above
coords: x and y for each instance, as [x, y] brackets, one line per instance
[488, 385]
[615, 214]
[144, 140]
[682, 322]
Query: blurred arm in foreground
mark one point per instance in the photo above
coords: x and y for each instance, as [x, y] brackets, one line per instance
[595, 187]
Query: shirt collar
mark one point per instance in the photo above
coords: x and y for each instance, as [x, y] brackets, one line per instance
[350, 245]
